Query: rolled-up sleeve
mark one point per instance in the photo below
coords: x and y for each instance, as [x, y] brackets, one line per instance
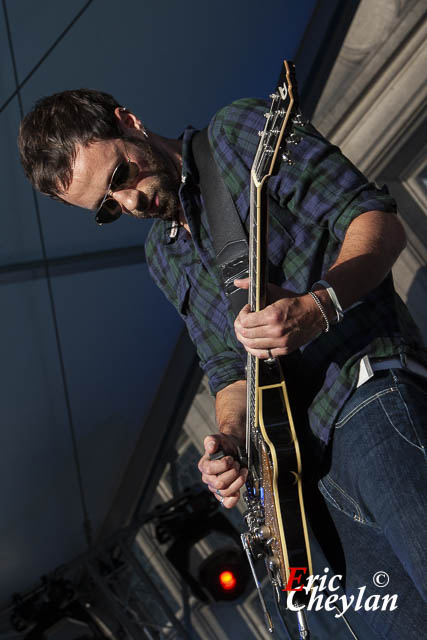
[200, 302]
[322, 187]
[222, 369]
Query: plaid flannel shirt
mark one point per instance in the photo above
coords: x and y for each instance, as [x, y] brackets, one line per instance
[313, 202]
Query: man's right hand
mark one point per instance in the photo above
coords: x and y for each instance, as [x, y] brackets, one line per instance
[224, 474]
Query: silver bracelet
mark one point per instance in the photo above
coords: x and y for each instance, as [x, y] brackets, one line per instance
[322, 310]
[333, 296]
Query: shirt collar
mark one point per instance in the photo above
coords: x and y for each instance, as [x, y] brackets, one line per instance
[189, 169]
[189, 176]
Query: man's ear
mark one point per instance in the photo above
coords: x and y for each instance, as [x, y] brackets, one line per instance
[127, 120]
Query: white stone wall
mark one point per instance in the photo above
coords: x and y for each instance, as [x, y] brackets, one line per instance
[374, 107]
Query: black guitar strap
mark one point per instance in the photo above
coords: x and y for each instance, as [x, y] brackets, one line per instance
[228, 234]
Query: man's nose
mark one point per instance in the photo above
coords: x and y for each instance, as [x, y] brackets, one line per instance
[129, 199]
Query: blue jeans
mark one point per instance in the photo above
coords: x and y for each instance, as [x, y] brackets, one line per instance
[375, 488]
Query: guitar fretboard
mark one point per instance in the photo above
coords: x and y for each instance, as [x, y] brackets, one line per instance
[277, 120]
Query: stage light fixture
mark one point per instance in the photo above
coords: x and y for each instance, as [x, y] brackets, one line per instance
[225, 574]
[227, 580]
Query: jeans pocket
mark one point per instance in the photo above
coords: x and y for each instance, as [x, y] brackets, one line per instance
[340, 499]
[405, 410]
[377, 446]
[358, 403]
[393, 398]
[391, 407]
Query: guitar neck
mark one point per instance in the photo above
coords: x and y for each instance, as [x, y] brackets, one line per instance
[272, 142]
[258, 246]
[257, 297]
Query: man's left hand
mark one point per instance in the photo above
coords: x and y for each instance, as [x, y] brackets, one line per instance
[288, 322]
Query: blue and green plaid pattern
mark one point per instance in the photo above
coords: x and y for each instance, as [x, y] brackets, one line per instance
[312, 202]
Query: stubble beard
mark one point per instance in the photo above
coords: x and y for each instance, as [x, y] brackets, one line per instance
[165, 184]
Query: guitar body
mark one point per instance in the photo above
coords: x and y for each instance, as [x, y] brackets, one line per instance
[282, 476]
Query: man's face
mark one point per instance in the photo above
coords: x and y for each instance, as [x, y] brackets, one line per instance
[152, 194]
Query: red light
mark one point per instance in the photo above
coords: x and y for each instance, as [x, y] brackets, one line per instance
[227, 580]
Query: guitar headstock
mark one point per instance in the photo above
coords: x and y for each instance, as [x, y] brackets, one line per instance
[277, 135]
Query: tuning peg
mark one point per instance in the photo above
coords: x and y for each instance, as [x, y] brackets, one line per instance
[287, 158]
[293, 138]
[297, 119]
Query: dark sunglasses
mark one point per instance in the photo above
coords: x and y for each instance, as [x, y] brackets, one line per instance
[123, 176]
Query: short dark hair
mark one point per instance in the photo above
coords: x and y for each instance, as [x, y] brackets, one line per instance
[50, 132]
